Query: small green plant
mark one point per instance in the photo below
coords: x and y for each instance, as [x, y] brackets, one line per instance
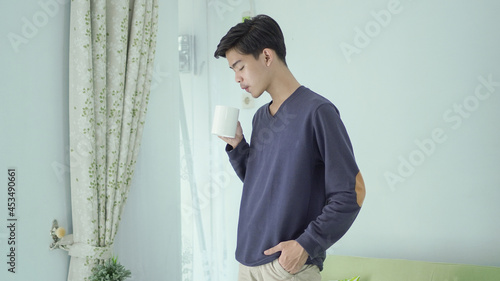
[110, 270]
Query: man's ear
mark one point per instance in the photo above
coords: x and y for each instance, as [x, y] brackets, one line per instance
[268, 56]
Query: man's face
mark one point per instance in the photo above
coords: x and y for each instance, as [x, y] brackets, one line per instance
[249, 72]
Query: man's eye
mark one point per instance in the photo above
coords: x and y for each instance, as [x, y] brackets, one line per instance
[242, 68]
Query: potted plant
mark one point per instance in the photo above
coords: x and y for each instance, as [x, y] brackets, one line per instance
[110, 270]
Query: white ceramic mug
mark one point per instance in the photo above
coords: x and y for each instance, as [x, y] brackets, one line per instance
[225, 121]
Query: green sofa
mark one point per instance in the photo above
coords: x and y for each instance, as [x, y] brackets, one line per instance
[375, 269]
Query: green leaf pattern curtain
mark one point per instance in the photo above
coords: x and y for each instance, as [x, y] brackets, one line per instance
[112, 48]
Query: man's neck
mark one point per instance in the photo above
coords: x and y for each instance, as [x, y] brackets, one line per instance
[283, 86]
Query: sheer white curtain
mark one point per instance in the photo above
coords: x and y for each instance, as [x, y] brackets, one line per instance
[112, 48]
[210, 195]
[210, 190]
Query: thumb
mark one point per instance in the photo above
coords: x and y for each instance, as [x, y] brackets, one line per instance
[273, 250]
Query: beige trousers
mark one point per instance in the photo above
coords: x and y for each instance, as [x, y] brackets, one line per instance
[274, 272]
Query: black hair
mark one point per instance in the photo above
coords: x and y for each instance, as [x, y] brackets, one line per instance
[252, 36]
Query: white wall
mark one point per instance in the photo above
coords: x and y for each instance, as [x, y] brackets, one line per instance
[34, 134]
[391, 94]
[148, 242]
[399, 89]
[35, 139]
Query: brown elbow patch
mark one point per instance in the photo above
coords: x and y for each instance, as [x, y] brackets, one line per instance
[360, 189]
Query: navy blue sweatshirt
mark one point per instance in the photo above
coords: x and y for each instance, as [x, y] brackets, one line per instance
[298, 175]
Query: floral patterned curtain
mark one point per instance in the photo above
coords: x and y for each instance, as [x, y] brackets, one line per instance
[112, 48]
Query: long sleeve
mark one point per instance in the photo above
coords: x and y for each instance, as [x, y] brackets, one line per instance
[238, 157]
[299, 178]
[340, 172]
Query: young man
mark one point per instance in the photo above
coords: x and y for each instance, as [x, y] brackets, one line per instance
[302, 189]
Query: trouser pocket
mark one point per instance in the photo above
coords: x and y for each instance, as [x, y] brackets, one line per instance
[308, 272]
[280, 270]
